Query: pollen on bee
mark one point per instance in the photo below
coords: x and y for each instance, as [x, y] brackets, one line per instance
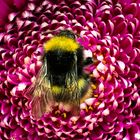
[93, 86]
[57, 112]
[64, 115]
[95, 95]
[97, 104]
[90, 107]
[86, 109]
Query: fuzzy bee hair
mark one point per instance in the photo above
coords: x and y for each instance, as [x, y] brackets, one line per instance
[61, 77]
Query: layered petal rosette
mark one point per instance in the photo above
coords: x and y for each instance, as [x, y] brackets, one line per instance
[110, 29]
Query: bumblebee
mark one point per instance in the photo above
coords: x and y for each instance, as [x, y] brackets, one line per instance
[61, 79]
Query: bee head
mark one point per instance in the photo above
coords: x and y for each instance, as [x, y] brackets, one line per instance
[67, 33]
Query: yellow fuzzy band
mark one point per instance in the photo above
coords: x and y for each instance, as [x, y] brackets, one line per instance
[81, 83]
[58, 89]
[61, 43]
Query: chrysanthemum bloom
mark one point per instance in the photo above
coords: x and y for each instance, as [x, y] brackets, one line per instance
[111, 30]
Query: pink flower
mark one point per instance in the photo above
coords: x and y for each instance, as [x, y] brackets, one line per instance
[110, 29]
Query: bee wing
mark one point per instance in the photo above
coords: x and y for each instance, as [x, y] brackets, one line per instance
[42, 98]
[74, 93]
[42, 102]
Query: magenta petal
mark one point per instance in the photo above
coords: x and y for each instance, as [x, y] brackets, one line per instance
[133, 75]
[17, 133]
[19, 4]
[119, 18]
[4, 10]
[14, 110]
[121, 28]
[110, 27]
[102, 28]
[12, 123]
[12, 16]
[119, 127]
[124, 57]
[130, 8]
[127, 44]
[5, 108]
[13, 79]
